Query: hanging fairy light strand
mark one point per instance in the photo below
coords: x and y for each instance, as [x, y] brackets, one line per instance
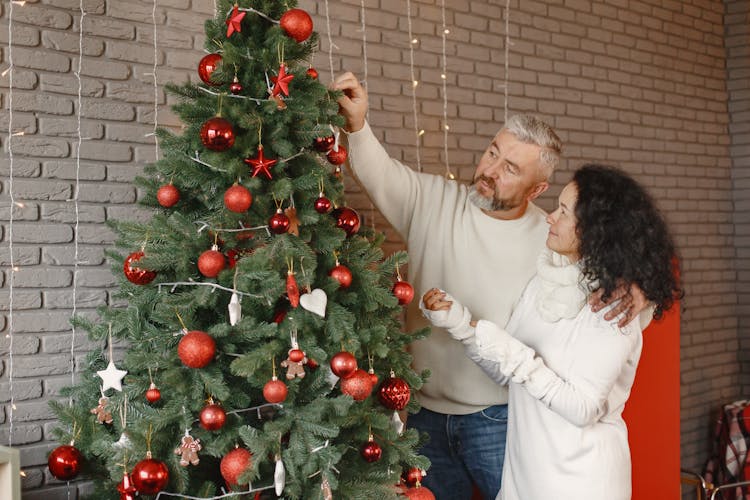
[363, 27]
[414, 83]
[507, 52]
[156, 85]
[444, 77]
[330, 41]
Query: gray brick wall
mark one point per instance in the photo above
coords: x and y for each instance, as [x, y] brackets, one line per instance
[640, 83]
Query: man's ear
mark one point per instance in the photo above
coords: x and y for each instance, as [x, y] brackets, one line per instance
[537, 190]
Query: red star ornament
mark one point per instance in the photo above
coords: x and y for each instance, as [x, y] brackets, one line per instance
[261, 164]
[234, 23]
[281, 82]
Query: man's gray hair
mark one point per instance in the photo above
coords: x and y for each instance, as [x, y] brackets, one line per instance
[532, 130]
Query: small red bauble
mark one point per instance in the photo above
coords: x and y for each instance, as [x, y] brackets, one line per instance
[153, 394]
[323, 144]
[373, 377]
[343, 364]
[413, 476]
[296, 355]
[196, 349]
[208, 65]
[212, 417]
[419, 493]
[278, 223]
[357, 385]
[168, 195]
[234, 464]
[135, 274]
[64, 462]
[337, 157]
[297, 24]
[346, 219]
[217, 134]
[322, 204]
[275, 391]
[312, 73]
[126, 488]
[211, 262]
[238, 198]
[342, 274]
[371, 451]
[150, 476]
[394, 393]
[235, 87]
[404, 292]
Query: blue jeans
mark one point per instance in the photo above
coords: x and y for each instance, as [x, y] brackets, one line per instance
[464, 450]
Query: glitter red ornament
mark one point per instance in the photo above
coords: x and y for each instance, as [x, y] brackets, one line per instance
[343, 364]
[346, 219]
[322, 204]
[371, 451]
[135, 274]
[238, 198]
[323, 144]
[217, 134]
[211, 262]
[196, 349]
[275, 391]
[65, 462]
[403, 291]
[212, 416]
[168, 195]
[234, 464]
[342, 274]
[150, 476]
[394, 393]
[153, 394]
[278, 223]
[297, 24]
[358, 385]
[207, 66]
[337, 156]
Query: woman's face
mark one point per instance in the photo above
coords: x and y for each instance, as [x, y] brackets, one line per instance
[562, 237]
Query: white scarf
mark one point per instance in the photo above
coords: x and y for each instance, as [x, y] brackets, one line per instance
[562, 291]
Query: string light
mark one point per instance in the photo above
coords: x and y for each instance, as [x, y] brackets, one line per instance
[13, 267]
[507, 52]
[156, 85]
[415, 82]
[444, 76]
[330, 41]
[364, 83]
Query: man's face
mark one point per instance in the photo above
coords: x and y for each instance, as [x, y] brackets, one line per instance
[508, 175]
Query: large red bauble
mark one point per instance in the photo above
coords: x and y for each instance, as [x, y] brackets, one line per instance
[342, 274]
[404, 292]
[419, 493]
[278, 223]
[337, 157]
[210, 263]
[323, 144]
[371, 451]
[212, 417]
[217, 134]
[238, 198]
[153, 394]
[394, 393]
[297, 24]
[357, 385]
[168, 195]
[275, 391]
[413, 476]
[343, 364]
[234, 464]
[196, 349]
[346, 219]
[135, 274]
[208, 65]
[150, 476]
[322, 204]
[64, 462]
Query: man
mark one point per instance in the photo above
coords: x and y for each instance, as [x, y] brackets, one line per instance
[481, 243]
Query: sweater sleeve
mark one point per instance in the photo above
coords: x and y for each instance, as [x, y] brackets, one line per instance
[393, 187]
[582, 397]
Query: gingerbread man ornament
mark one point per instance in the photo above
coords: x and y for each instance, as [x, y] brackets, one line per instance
[295, 364]
[103, 416]
[189, 448]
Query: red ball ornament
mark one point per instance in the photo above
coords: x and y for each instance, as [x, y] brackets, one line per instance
[296, 355]
[234, 464]
[322, 204]
[346, 219]
[126, 488]
[278, 223]
[153, 394]
[373, 377]
[208, 65]
[357, 385]
[394, 393]
[297, 24]
[150, 476]
[196, 349]
[135, 274]
[343, 364]
[212, 417]
[403, 291]
[413, 476]
[312, 73]
[419, 493]
[342, 274]
[275, 391]
[371, 451]
[168, 195]
[323, 144]
[235, 87]
[238, 198]
[64, 462]
[211, 262]
[337, 157]
[217, 134]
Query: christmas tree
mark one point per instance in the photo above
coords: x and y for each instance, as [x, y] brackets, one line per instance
[260, 320]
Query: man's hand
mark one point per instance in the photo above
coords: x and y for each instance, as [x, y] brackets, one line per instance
[631, 303]
[353, 104]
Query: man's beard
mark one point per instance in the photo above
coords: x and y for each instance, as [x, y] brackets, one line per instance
[492, 204]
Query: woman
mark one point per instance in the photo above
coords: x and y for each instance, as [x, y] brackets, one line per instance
[569, 370]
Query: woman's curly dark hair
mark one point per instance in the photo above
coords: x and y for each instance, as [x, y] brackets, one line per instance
[624, 238]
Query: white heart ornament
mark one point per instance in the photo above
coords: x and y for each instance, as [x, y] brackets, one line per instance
[315, 302]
